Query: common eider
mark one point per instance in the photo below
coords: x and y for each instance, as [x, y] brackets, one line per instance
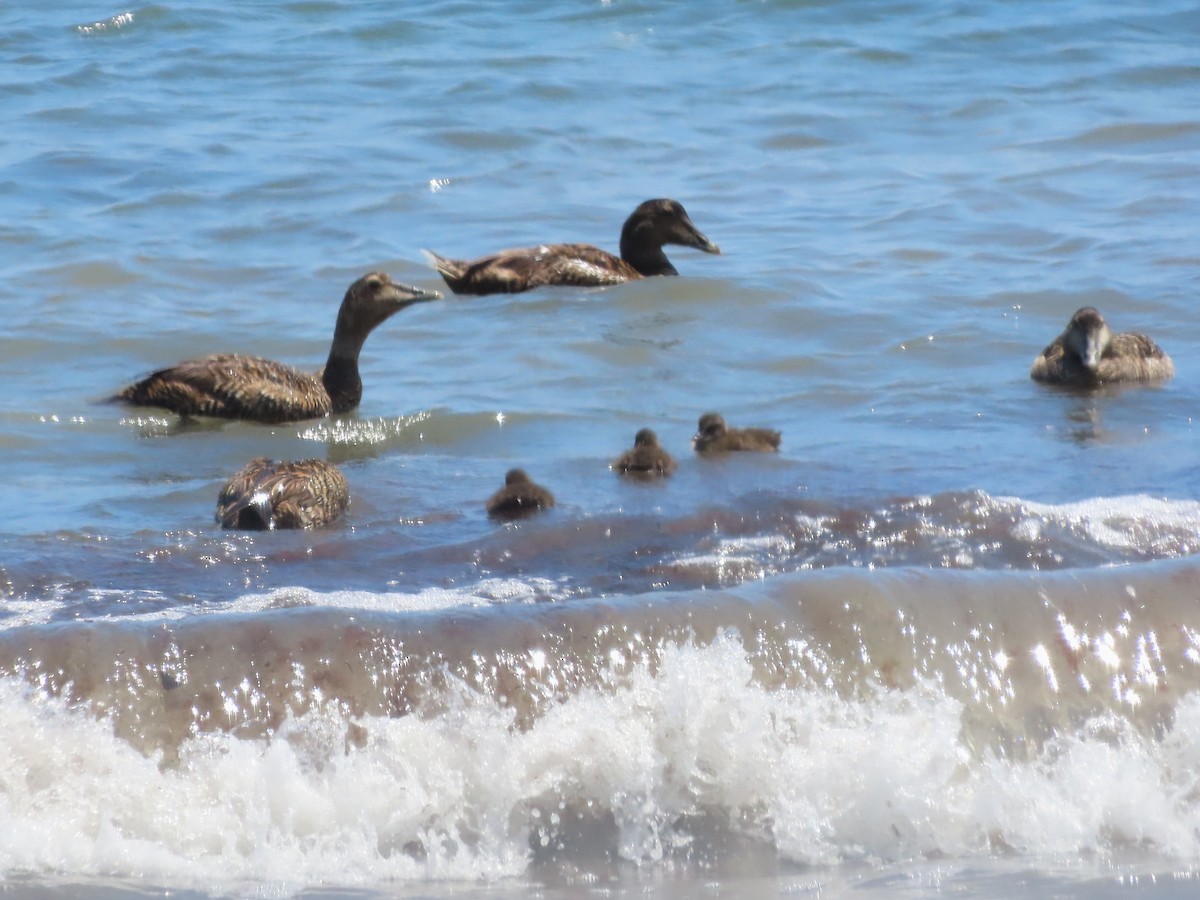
[1087, 354]
[646, 458]
[232, 386]
[650, 226]
[519, 497]
[266, 495]
[713, 436]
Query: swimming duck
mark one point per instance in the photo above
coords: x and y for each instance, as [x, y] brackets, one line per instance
[650, 226]
[267, 495]
[1087, 353]
[519, 497]
[646, 458]
[713, 436]
[232, 386]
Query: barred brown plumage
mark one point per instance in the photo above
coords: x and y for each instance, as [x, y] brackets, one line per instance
[267, 495]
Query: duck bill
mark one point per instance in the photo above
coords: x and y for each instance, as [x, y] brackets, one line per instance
[405, 295]
[688, 235]
[701, 242]
[410, 293]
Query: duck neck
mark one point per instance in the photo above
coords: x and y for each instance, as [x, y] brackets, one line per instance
[647, 260]
[340, 376]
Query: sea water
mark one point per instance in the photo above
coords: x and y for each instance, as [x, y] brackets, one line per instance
[947, 640]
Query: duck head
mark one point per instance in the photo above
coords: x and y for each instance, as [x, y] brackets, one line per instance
[1087, 337]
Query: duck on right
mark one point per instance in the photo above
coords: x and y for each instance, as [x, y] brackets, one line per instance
[1088, 354]
[714, 436]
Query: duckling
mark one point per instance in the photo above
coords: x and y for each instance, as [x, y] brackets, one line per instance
[650, 226]
[1087, 354]
[646, 458]
[267, 495]
[232, 386]
[714, 436]
[519, 497]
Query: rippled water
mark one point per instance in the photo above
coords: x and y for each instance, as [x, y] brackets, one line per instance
[928, 646]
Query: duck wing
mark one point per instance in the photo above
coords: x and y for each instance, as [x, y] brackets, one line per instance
[1135, 345]
[760, 439]
[1053, 365]
[233, 387]
[582, 265]
[1134, 357]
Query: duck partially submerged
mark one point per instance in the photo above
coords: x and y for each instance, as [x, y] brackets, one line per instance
[1087, 354]
[646, 458]
[267, 495]
[232, 386]
[714, 436]
[653, 224]
[519, 497]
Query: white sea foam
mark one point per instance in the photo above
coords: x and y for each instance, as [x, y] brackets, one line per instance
[464, 794]
[1136, 522]
[741, 557]
[488, 592]
[113, 22]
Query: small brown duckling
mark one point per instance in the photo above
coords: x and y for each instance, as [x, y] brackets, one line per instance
[1087, 354]
[714, 436]
[267, 495]
[650, 226]
[646, 458]
[519, 497]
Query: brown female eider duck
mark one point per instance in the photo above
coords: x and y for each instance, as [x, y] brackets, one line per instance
[714, 436]
[650, 226]
[646, 458]
[1087, 354]
[266, 495]
[519, 497]
[260, 390]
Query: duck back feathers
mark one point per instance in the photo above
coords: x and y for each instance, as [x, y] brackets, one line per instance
[1087, 354]
[267, 495]
[231, 386]
[653, 224]
[526, 268]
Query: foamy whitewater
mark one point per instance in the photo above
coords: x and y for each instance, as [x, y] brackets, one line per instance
[824, 722]
[946, 641]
